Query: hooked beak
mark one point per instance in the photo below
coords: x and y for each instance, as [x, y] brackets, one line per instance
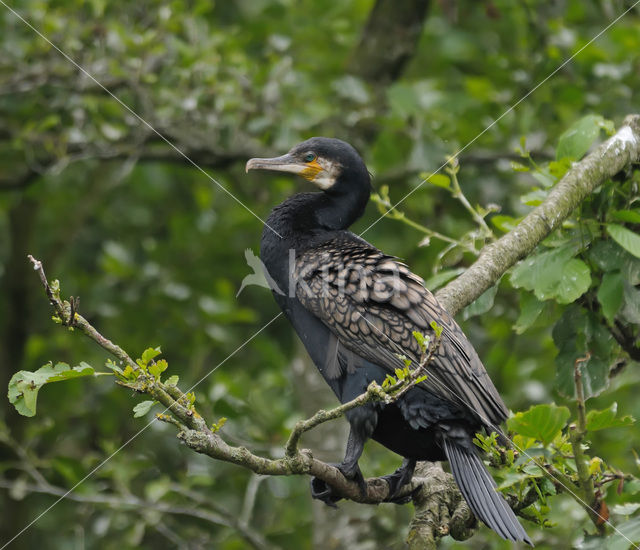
[284, 163]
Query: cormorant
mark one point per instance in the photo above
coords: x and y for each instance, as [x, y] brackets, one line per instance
[355, 309]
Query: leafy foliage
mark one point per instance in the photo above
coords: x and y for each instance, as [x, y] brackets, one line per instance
[154, 248]
[541, 422]
[24, 385]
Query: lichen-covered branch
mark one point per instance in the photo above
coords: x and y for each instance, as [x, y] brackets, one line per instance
[440, 510]
[603, 162]
[197, 435]
[496, 258]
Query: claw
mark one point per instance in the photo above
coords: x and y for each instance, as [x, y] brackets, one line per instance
[398, 479]
[320, 490]
[353, 473]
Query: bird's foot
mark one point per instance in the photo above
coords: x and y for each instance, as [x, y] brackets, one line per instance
[321, 490]
[398, 479]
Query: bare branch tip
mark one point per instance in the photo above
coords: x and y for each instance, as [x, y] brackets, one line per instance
[37, 264]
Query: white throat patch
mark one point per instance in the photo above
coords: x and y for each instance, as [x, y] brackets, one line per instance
[329, 174]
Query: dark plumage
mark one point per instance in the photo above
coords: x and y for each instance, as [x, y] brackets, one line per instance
[355, 309]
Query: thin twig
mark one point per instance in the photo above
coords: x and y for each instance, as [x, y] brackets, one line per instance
[64, 310]
[374, 392]
[456, 192]
[577, 377]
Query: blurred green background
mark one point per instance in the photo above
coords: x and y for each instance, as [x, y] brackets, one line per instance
[156, 250]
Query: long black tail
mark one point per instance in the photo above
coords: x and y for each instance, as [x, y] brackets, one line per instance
[479, 490]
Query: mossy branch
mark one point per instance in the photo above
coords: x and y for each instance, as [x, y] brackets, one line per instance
[196, 434]
[604, 162]
[439, 508]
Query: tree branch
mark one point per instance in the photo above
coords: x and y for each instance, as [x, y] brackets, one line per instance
[605, 161]
[195, 433]
[496, 258]
[439, 508]
[74, 319]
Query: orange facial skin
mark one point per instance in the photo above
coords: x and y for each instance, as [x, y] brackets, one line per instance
[312, 170]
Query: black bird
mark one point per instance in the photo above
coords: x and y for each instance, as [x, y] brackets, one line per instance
[355, 309]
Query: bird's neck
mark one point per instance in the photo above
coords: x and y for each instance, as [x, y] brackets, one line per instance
[305, 215]
[304, 219]
[338, 211]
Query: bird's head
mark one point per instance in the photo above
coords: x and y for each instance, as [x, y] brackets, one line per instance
[331, 164]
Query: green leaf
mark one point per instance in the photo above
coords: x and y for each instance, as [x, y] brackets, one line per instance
[553, 274]
[626, 238]
[149, 354]
[631, 216]
[400, 374]
[534, 198]
[482, 304]
[142, 408]
[625, 532]
[575, 333]
[625, 509]
[110, 364]
[129, 373]
[172, 380]
[162, 365]
[558, 168]
[505, 223]
[545, 179]
[574, 281]
[510, 478]
[530, 309]
[440, 180]
[218, 425]
[610, 294]
[24, 385]
[631, 298]
[518, 167]
[579, 137]
[442, 277]
[157, 368]
[609, 256]
[423, 341]
[542, 422]
[600, 420]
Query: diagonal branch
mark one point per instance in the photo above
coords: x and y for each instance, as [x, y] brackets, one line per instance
[602, 163]
[438, 511]
[196, 434]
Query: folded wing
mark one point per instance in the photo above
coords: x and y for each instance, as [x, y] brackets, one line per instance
[372, 303]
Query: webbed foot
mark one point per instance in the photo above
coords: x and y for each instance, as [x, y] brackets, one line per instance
[398, 479]
[321, 490]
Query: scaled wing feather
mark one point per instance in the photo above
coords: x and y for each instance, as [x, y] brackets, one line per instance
[372, 304]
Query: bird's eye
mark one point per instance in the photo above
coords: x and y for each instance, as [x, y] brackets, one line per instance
[310, 157]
